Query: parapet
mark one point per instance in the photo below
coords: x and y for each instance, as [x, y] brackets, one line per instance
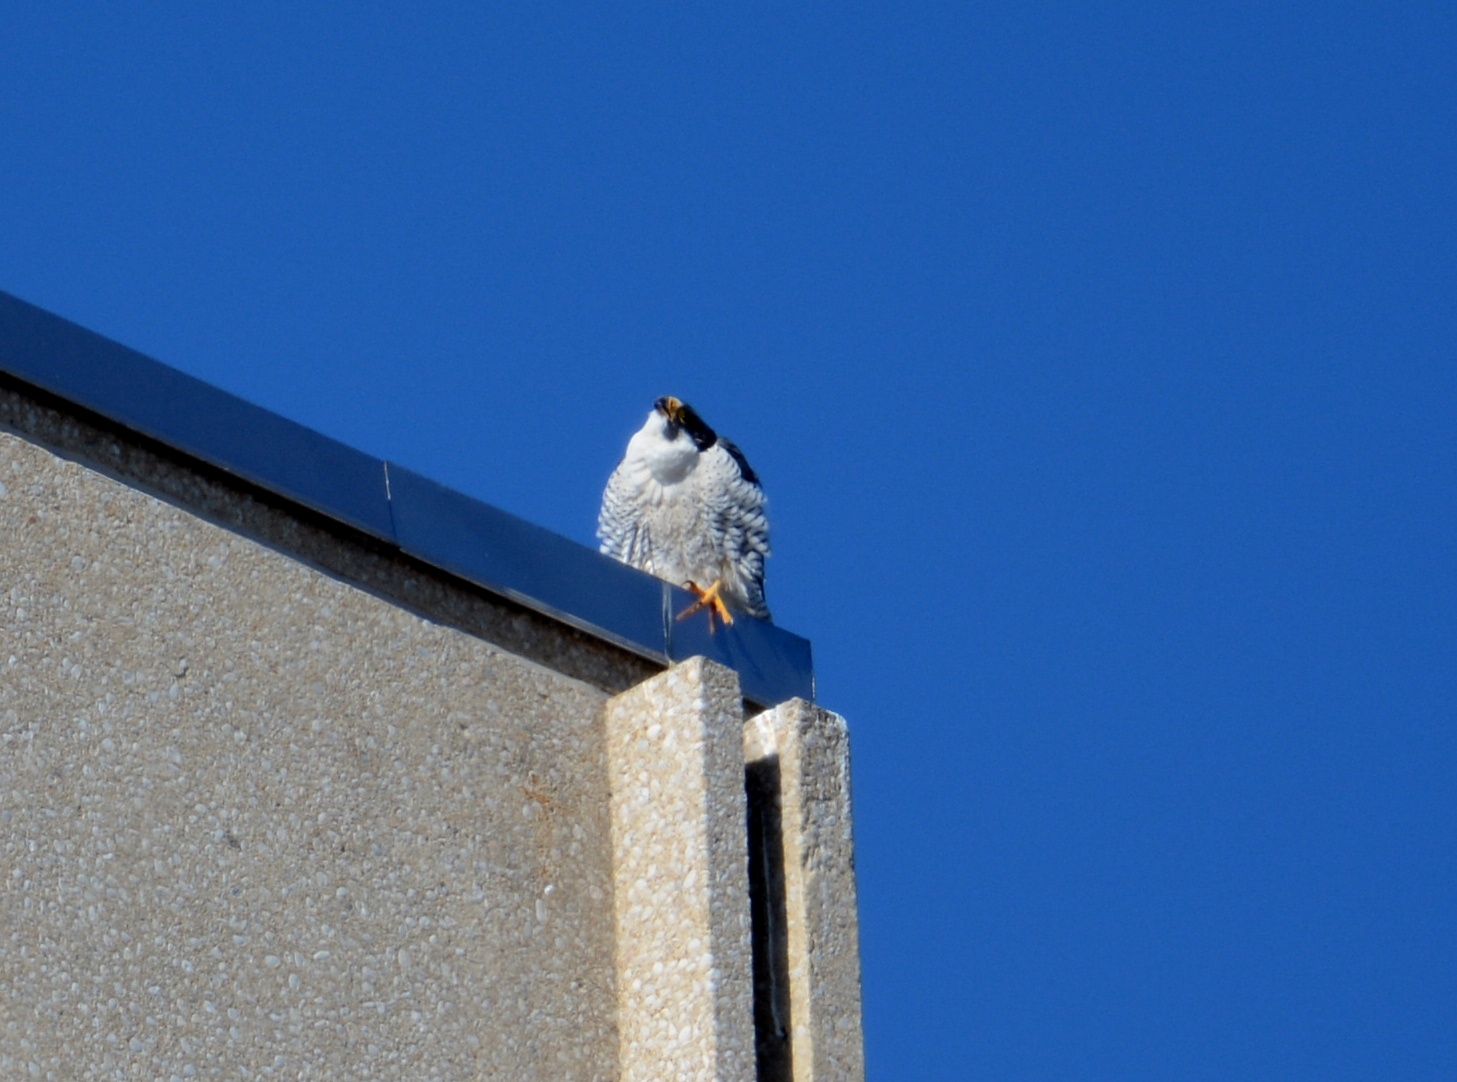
[312, 768]
[181, 419]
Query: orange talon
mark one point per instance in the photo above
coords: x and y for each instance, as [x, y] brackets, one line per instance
[709, 599]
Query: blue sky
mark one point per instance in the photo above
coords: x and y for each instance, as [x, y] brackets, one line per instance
[1098, 361]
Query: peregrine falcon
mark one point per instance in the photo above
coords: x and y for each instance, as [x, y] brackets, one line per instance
[683, 504]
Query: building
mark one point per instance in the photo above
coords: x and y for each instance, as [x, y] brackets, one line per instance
[311, 768]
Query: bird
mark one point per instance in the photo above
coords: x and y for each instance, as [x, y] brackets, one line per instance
[685, 505]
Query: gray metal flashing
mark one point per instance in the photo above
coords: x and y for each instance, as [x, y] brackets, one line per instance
[520, 560]
[464, 537]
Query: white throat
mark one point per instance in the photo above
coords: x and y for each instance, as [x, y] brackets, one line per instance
[650, 450]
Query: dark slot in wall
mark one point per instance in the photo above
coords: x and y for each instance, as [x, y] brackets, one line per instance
[773, 1053]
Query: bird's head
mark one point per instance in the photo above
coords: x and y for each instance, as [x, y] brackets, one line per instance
[678, 417]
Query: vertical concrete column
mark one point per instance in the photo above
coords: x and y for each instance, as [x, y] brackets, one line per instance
[676, 770]
[807, 751]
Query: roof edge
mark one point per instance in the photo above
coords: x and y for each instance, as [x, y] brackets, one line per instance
[464, 537]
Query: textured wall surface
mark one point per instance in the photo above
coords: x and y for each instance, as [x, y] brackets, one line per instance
[810, 751]
[675, 756]
[258, 823]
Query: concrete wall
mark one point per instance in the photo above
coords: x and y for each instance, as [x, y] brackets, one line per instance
[277, 803]
[256, 821]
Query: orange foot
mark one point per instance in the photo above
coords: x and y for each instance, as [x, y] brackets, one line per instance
[710, 600]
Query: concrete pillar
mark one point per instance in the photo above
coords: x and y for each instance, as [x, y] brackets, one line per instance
[806, 930]
[676, 774]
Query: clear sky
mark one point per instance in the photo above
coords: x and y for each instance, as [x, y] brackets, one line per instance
[1098, 362]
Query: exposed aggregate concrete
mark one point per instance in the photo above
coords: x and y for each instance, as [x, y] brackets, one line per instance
[255, 822]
